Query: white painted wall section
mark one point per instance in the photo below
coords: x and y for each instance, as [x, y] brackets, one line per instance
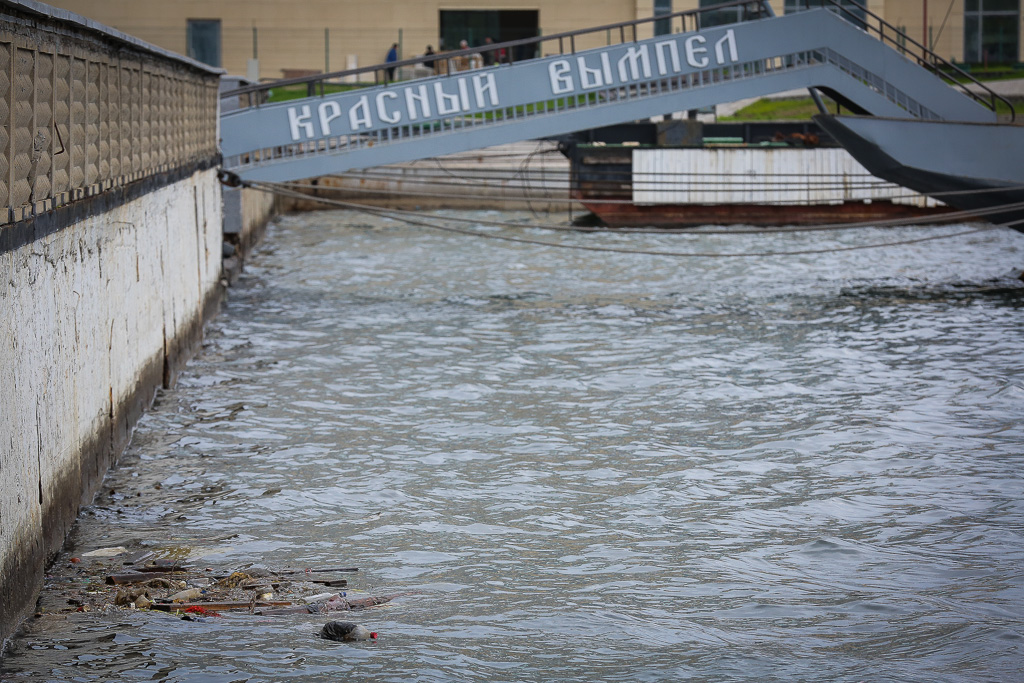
[767, 175]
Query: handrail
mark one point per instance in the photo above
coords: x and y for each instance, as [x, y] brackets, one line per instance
[753, 9]
[926, 59]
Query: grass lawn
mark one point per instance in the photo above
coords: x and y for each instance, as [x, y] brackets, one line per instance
[294, 92]
[794, 109]
[992, 73]
[799, 109]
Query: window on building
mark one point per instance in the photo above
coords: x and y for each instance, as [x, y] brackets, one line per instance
[474, 26]
[661, 26]
[991, 31]
[202, 37]
[853, 13]
[727, 15]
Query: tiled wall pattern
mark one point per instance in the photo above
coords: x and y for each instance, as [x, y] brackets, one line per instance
[80, 116]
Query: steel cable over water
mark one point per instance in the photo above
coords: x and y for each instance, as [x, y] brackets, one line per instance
[419, 219]
[420, 177]
[890, 222]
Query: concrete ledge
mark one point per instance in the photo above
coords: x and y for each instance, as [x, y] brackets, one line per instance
[29, 226]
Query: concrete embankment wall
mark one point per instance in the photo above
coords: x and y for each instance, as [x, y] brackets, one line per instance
[110, 260]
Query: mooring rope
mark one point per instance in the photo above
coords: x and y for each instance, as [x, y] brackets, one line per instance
[950, 216]
[518, 181]
[413, 218]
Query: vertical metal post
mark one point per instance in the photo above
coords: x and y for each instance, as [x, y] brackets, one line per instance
[817, 100]
[327, 50]
[255, 43]
[924, 22]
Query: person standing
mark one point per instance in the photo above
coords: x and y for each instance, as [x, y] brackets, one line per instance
[391, 59]
[488, 54]
[429, 58]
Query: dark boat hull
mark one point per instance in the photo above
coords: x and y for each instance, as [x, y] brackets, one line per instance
[970, 166]
[627, 214]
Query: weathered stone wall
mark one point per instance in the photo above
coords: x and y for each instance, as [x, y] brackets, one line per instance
[110, 260]
[84, 111]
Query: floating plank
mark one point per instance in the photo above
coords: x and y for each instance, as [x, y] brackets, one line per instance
[141, 577]
[182, 606]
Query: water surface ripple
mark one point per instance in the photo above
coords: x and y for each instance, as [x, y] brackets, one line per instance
[591, 466]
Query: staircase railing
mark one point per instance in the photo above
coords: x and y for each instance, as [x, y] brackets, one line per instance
[572, 102]
[889, 34]
[626, 31]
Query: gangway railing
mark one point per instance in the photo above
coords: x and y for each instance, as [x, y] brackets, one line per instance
[629, 31]
[580, 82]
[626, 32]
[923, 56]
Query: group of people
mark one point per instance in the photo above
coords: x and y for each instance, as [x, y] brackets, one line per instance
[489, 56]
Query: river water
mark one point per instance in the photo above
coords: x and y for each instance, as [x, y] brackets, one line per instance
[588, 466]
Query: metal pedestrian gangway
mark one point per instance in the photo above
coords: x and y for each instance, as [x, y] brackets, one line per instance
[859, 60]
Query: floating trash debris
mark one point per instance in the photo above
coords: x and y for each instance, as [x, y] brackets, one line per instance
[140, 580]
[132, 598]
[187, 595]
[106, 552]
[336, 603]
[346, 631]
[235, 580]
[220, 606]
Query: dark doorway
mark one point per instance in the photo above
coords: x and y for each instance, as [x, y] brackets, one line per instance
[499, 25]
[203, 39]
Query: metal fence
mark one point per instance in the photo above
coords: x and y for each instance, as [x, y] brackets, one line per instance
[84, 111]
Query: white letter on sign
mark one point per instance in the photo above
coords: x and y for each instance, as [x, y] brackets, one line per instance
[589, 78]
[485, 85]
[446, 104]
[730, 38]
[561, 81]
[325, 118]
[638, 61]
[673, 53]
[382, 110]
[692, 50]
[303, 121]
[418, 95]
[359, 115]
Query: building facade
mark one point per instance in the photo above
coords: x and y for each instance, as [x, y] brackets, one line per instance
[269, 39]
